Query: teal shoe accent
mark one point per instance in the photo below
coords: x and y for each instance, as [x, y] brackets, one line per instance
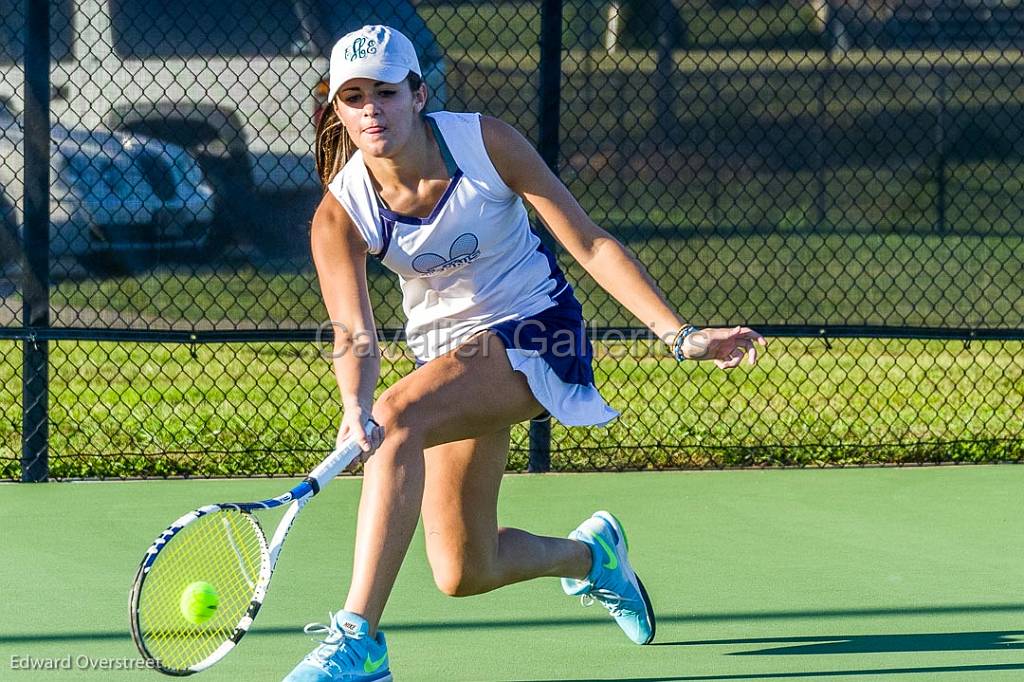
[346, 654]
[612, 580]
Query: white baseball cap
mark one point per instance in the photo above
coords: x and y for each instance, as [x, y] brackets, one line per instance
[378, 52]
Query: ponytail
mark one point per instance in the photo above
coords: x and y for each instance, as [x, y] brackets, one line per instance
[334, 147]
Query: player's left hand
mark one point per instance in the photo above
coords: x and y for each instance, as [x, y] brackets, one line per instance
[727, 346]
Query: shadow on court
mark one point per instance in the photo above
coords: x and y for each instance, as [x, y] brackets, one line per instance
[819, 644]
[794, 675]
[870, 644]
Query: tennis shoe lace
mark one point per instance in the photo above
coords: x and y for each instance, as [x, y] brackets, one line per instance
[326, 655]
[610, 600]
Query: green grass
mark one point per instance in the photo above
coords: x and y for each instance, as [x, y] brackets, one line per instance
[153, 409]
[230, 297]
[817, 279]
[790, 275]
[270, 408]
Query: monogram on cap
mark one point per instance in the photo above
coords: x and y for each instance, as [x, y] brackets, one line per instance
[361, 48]
[379, 53]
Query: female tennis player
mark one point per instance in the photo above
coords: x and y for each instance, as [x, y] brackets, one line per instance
[497, 333]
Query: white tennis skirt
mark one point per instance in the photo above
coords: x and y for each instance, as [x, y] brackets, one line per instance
[552, 350]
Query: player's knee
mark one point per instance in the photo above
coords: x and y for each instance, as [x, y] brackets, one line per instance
[459, 574]
[403, 443]
[394, 410]
[460, 581]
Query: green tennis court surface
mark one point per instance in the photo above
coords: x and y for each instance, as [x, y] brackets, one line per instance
[756, 575]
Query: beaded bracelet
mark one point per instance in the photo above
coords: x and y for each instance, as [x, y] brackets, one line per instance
[677, 342]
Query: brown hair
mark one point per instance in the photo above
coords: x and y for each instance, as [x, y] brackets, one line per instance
[333, 146]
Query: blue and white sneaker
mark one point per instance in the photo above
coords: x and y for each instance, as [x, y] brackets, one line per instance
[346, 654]
[612, 581]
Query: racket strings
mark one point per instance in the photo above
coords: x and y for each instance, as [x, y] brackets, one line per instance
[226, 549]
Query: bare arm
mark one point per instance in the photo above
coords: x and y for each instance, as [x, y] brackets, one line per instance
[612, 265]
[339, 253]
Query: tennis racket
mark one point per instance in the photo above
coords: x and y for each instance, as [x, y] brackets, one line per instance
[223, 545]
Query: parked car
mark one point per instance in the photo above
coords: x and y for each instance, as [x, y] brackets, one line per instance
[112, 194]
[229, 80]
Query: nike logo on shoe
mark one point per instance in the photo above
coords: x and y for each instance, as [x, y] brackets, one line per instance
[613, 560]
[371, 666]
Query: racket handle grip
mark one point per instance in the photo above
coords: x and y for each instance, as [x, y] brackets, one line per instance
[336, 462]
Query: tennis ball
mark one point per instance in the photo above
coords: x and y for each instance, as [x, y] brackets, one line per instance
[199, 602]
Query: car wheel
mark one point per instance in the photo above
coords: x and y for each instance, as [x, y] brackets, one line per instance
[230, 177]
[115, 263]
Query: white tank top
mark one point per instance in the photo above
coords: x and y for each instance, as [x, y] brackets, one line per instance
[473, 262]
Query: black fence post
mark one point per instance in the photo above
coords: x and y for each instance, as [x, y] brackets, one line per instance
[550, 100]
[550, 86]
[36, 252]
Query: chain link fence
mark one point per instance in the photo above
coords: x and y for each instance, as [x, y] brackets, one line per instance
[843, 175]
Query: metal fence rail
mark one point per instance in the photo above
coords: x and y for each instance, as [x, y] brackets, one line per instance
[842, 176]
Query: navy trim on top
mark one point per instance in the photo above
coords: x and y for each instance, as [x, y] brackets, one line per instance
[388, 226]
[413, 220]
[555, 272]
[454, 174]
[446, 154]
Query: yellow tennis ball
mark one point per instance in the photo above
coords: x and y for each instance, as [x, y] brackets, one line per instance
[199, 602]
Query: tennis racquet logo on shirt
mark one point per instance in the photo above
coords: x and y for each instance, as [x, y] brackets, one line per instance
[462, 251]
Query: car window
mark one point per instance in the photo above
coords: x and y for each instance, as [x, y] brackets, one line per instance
[202, 28]
[12, 30]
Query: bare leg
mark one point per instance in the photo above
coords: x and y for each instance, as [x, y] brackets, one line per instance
[465, 394]
[468, 552]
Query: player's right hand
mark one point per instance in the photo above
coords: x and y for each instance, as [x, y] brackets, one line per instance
[352, 426]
